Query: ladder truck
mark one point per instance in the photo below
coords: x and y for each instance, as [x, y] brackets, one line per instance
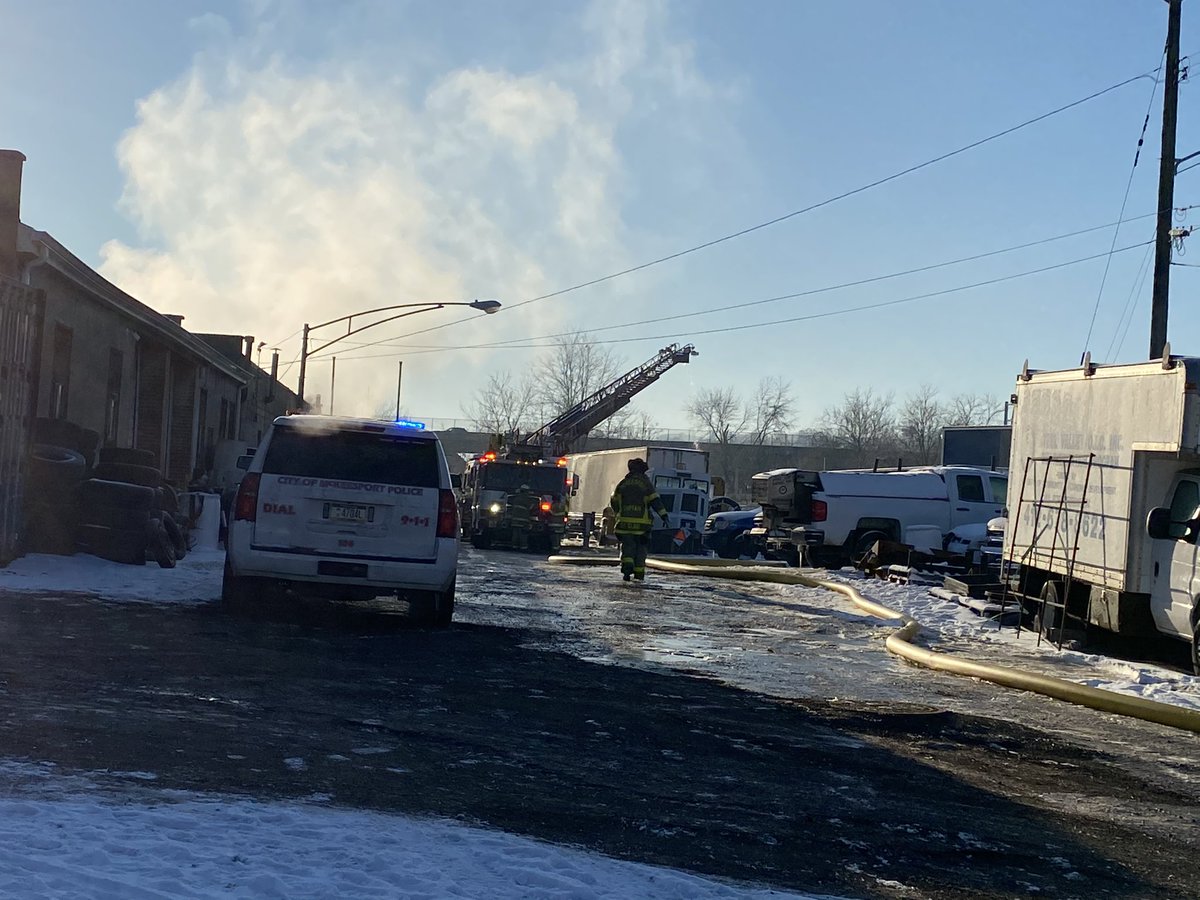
[539, 461]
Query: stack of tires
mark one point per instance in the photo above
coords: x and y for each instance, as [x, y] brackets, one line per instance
[51, 494]
[125, 511]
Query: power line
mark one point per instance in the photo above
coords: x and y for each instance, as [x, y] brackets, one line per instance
[1139, 278]
[792, 319]
[791, 296]
[826, 202]
[1132, 309]
[1124, 200]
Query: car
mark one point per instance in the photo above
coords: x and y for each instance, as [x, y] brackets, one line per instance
[724, 532]
[347, 509]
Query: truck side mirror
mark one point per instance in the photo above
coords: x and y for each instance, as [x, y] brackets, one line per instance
[574, 485]
[1158, 524]
[243, 462]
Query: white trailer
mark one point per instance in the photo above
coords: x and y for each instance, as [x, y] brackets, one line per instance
[1104, 505]
[680, 475]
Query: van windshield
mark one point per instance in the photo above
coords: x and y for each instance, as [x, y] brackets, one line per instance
[353, 456]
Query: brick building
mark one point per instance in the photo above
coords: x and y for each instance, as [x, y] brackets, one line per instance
[263, 397]
[112, 364]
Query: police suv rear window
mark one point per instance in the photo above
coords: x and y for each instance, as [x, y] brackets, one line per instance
[353, 456]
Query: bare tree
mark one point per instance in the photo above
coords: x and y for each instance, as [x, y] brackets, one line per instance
[972, 409]
[864, 424]
[615, 426]
[719, 412]
[641, 426]
[574, 368]
[920, 425]
[502, 405]
[633, 424]
[769, 410]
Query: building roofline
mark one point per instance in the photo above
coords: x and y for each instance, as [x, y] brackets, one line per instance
[154, 322]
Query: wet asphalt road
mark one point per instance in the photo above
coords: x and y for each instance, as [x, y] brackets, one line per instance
[735, 732]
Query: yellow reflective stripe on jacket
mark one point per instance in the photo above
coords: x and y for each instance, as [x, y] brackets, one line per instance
[632, 501]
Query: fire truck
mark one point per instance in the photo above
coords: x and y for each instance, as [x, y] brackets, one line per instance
[539, 461]
[492, 477]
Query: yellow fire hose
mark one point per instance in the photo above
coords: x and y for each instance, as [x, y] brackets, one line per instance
[900, 642]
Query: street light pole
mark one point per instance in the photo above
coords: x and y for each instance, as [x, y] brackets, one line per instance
[485, 306]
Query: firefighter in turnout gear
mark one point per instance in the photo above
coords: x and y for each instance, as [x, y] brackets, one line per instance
[522, 507]
[632, 501]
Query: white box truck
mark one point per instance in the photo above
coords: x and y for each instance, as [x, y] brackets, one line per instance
[1104, 504]
[679, 474]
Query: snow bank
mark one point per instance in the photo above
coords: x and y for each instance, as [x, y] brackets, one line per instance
[195, 579]
[187, 845]
[953, 628]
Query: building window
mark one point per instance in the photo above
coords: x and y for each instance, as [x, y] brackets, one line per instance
[112, 409]
[60, 372]
[228, 430]
[201, 429]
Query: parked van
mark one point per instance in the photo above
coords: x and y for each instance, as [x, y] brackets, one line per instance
[831, 517]
[346, 508]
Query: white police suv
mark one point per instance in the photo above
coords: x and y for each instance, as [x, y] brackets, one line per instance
[348, 509]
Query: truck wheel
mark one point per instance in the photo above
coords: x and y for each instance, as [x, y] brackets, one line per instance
[128, 473]
[1049, 616]
[130, 456]
[97, 492]
[481, 540]
[122, 545]
[159, 545]
[175, 533]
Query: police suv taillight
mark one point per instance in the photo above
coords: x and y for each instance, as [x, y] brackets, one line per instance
[447, 526]
[819, 510]
[245, 505]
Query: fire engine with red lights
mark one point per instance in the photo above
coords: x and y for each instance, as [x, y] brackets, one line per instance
[539, 460]
[492, 477]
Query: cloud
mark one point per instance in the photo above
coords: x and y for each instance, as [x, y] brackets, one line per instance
[272, 189]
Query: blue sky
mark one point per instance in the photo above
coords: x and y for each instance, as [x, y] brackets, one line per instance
[254, 165]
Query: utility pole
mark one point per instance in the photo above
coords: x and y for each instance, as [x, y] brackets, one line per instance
[1166, 188]
[303, 365]
[332, 384]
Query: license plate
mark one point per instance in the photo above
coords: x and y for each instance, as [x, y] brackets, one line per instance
[346, 512]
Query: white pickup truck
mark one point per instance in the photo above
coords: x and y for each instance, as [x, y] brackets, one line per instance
[829, 517]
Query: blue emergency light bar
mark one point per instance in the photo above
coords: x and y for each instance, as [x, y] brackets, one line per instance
[409, 423]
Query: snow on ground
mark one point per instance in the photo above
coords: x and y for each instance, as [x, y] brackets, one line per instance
[948, 626]
[59, 839]
[195, 579]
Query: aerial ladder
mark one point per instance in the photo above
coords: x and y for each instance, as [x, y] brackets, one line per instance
[559, 436]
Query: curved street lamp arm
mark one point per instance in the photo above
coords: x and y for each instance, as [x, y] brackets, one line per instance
[424, 307]
[432, 304]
